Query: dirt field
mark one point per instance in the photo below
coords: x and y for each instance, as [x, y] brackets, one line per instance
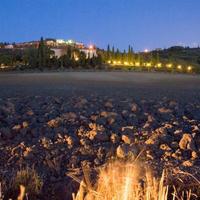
[58, 123]
[138, 85]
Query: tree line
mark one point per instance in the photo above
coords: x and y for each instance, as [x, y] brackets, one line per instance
[44, 58]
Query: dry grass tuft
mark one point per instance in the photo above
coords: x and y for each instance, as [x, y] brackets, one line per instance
[28, 181]
[128, 181]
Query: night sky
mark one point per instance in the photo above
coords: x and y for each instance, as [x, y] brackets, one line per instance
[141, 23]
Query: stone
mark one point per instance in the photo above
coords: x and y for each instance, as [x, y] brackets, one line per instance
[108, 104]
[134, 107]
[187, 163]
[186, 142]
[164, 110]
[194, 155]
[114, 138]
[102, 137]
[70, 142]
[17, 127]
[54, 123]
[165, 147]
[25, 124]
[127, 139]
[126, 150]
[71, 116]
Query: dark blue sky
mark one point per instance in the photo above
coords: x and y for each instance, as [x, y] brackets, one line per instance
[141, 23]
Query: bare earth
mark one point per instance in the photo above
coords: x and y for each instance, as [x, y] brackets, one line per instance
[60, 122]
[114, 83]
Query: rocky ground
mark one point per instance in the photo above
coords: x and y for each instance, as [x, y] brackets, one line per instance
[61, 134]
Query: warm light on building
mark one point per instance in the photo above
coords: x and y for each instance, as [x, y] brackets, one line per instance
[169, 65]
[109, 62]
[148, 64]
[179, 67]
[60, 41]
[159, 65]
[76, 59]
[91, 47]
[114, 62]
[189, 68]
[137, 64]
[119, 62]
[126, 63]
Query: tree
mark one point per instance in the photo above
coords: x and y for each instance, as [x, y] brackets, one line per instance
[108, 56]
[198, 60]
[113, 53]
[42, 54]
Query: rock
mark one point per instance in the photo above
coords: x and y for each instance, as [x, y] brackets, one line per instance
[153, 140]
[134, 107]
[71, 116]
[25, 124]
[165, 114]
[54, 123]
[102, 137]
[149, 155]
[125, 113]
[82, 102]
[128, 134]
[70, 142]
[27, 151]
[93, 126]
[84, 142]
[187, 142]
[108, 114]
[165, 147]
[111, 120]
[17, 127]
[30, 113]
[127, 139]
[174, 145]
[91, 134]
[164, 110]
[114, 138]
[194, 155]
[100, 153]
[177, 155]
[126, 150]
[108, 104]
[187, 163]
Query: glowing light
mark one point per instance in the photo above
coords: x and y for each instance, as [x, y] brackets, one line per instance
[70, 42]
[179, 67]
[169, 65]
[131, 63]
[137, 64]
[189, 68]
[146, 51]
[119, 62]
[148, 64]
[126, 63]
[159, 65]
[76, 59]
[109, 62]
[91, 47]
[114, 62]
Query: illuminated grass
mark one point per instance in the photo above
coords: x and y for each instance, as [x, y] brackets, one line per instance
[128, 181]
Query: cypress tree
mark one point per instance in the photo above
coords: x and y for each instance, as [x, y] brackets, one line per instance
[113, 53]
[42, 54]
[108, 53]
